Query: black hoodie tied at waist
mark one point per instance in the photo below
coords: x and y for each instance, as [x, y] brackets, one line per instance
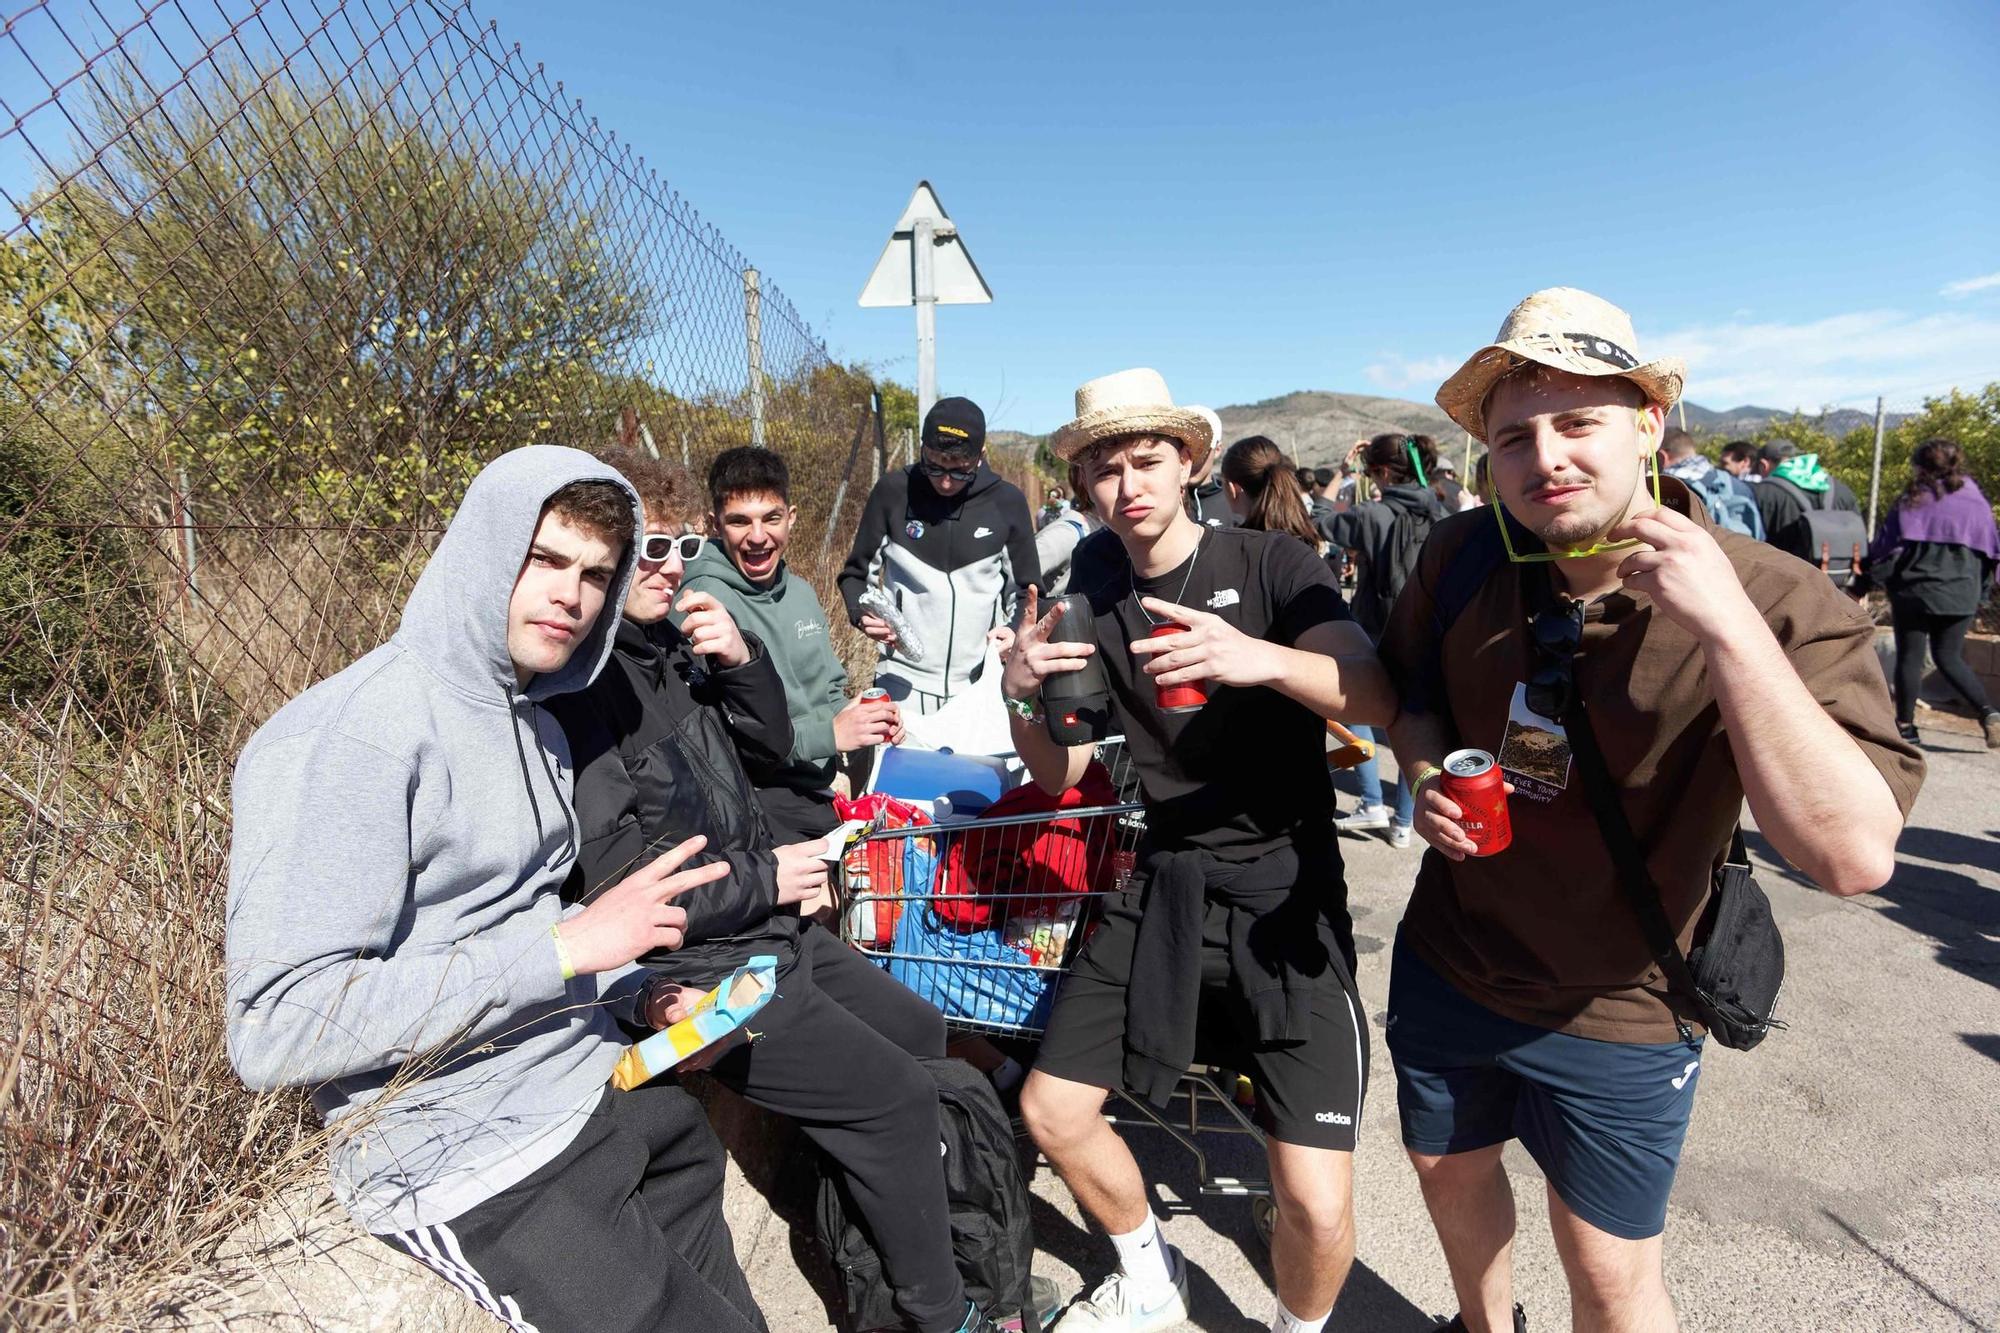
[1278, 946]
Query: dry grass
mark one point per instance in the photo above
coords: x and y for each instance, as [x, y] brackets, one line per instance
[130, 1149]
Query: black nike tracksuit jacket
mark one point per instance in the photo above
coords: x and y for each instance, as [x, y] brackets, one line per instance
[956, 568]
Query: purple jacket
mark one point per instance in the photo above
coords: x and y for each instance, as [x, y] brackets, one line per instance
[1959, 518]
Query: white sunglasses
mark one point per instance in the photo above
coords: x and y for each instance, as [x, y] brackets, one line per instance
[657, 546]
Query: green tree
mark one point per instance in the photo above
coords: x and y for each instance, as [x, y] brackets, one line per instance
[341, 317]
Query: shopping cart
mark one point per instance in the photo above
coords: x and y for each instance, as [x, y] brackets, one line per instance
[982, 917]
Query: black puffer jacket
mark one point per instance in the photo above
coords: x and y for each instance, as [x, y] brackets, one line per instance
[661, 742]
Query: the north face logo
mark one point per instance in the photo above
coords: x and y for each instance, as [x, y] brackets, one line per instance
[1226, 597]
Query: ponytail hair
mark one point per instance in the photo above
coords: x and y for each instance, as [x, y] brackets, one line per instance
[1401, 456]
[1937, 468]
[1267, 478]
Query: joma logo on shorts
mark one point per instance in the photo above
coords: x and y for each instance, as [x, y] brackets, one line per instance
[1332, 1118]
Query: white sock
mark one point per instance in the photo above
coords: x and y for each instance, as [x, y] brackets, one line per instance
[1286, 1322]
[1142, 1255]
[1008, 1076]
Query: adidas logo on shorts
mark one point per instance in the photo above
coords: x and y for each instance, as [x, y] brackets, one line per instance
[1333, 1118]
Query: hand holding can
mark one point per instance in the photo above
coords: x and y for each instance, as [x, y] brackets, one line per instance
[1188, 695]
[1472, 781]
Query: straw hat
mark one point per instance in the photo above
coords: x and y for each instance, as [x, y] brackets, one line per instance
[1132, 402]
[1566, 329]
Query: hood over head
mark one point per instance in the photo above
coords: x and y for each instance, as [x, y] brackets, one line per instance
[455, 622]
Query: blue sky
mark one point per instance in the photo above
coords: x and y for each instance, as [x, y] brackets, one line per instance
[1803, 199]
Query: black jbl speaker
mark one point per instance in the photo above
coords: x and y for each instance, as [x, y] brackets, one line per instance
[1076, 705]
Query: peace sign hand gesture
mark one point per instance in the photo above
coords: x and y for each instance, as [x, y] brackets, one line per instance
[1033, 659]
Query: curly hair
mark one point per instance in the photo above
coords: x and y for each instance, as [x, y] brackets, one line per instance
[600, 508]
[669, 494]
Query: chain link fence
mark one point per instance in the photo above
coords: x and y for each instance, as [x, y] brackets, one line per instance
[277, 278]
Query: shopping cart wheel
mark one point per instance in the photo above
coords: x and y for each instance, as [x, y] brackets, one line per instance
[1264, 1216]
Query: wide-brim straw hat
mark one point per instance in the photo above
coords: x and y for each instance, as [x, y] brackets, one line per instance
[1132, 402]
[1566, 329]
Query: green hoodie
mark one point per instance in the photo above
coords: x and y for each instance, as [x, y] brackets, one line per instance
[1804, 472]
[788, 617]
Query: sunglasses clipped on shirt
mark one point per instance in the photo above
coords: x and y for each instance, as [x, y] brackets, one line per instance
[657, 546]
[1558, 632]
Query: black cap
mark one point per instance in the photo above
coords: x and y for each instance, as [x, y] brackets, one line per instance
[1777, 451]
[955, 426]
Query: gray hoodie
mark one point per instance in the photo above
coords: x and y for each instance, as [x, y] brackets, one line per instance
[401, 830]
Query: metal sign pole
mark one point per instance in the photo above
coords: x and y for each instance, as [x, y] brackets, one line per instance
[753, 328]
[1875, 471]
[923, 265]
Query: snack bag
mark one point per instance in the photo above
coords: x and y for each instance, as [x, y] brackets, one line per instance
[716, 1015]
[872, 875]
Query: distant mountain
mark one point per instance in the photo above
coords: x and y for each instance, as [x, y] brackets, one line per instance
[1746, 421]
[1317, 425]
[1321, 426]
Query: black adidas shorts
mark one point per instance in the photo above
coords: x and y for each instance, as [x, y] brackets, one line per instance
[1308, 1094]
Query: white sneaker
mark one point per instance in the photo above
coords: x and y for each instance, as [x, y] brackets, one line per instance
[1120, 1305]
[1364, 819]
[1399, 835]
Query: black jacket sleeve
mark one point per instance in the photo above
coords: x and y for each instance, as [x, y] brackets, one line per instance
[619, 830]
[610, 841]
[752, 697]
[747, 898]
[866, 556]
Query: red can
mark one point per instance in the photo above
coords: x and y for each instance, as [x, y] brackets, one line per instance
[872, 693]
[1473, 782]
[1183, 698]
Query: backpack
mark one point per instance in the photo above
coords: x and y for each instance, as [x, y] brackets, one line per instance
[1729, 507]
[991, 1236]
[1833, 536]
[1391, 566]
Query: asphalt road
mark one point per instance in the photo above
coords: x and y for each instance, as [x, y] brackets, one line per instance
[1843, 1176]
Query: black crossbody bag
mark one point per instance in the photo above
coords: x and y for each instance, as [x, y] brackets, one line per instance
[1733, 975]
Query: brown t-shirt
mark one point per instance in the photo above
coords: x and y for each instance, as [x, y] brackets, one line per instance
[1541, 932]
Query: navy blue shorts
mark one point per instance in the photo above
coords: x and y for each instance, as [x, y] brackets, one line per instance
[1604, 1119]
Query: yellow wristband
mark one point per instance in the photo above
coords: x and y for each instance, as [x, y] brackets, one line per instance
[562, 954]
[1425, 772]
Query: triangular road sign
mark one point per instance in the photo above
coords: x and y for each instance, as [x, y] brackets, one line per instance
[955, 275]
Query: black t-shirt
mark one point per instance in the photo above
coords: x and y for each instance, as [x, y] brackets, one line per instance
[1239, 775]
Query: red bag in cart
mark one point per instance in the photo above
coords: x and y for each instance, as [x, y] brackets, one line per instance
[1048, 861]
[876, 868]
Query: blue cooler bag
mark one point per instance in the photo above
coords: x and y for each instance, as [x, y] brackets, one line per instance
[963, 973]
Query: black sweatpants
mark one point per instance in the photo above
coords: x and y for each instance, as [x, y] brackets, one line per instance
[623, 1230]
[833, 1054]
[1945, 637]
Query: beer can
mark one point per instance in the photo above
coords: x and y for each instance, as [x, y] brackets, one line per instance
[1182, 698]
[872, 693]
[1474, 783]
